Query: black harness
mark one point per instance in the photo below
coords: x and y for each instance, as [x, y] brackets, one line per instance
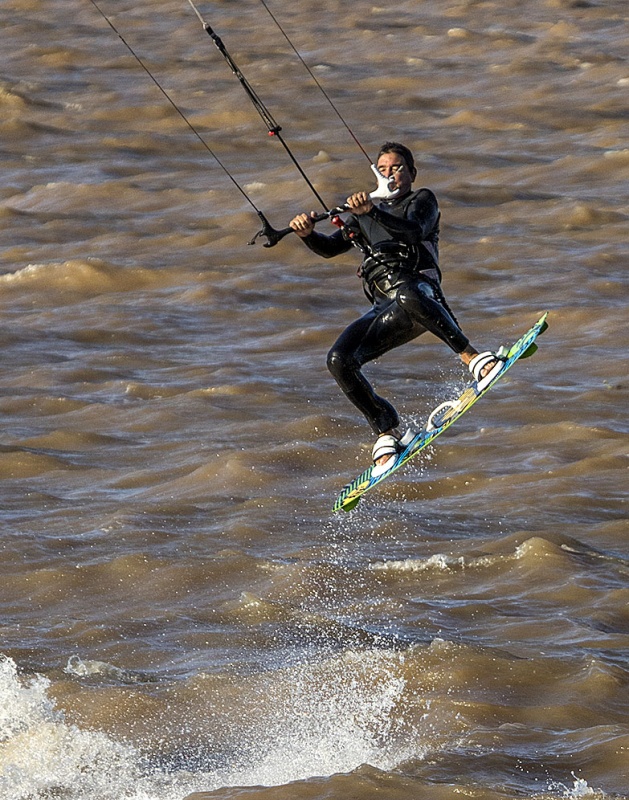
[389, 263]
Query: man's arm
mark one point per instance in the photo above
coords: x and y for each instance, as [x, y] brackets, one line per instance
[319, 243]
[421, 218]
[327, 246]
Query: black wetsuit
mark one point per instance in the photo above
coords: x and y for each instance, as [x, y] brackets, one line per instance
[401, 277]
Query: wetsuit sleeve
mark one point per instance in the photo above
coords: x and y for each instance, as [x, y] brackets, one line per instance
[327, 246]
[421, 218]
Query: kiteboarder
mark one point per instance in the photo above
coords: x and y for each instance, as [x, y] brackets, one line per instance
[399, 238]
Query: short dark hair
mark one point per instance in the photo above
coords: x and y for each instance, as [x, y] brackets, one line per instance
[401, 150]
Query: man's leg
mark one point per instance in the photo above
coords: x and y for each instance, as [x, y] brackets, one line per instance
[375, 333]
[426, 304]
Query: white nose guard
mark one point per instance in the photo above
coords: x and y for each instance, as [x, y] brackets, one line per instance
[385, 190]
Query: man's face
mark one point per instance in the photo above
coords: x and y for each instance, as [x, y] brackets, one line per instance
[393, 165]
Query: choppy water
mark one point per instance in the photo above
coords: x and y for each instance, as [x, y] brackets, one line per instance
[181, 612]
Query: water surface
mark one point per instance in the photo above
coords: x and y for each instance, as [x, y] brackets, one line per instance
[182, 614]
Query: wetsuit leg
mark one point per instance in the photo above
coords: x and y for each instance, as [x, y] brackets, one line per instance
[423, 304]
[381, 329]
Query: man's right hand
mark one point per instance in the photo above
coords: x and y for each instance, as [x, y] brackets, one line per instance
[303, 224]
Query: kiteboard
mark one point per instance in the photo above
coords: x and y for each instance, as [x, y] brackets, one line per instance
[438, 421]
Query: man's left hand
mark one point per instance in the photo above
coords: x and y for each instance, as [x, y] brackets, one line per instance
[359, 203]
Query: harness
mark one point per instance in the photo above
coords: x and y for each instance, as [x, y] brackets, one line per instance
[388, 263]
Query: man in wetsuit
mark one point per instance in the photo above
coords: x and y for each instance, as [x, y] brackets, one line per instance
[399, 238]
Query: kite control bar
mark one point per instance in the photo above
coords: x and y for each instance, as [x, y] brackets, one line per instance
[273, 236]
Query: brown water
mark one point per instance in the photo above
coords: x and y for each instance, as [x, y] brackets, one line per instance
[181, 611]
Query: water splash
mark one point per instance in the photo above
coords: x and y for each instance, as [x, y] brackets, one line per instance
[580, 789]
[85, 668]
[309, 720]
[40, 755]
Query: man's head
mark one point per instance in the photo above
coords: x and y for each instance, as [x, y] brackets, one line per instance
[396, 161]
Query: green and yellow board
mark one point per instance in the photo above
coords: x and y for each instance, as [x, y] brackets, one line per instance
[439, 420]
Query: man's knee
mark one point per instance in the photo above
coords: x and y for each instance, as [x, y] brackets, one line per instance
[338, 362]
